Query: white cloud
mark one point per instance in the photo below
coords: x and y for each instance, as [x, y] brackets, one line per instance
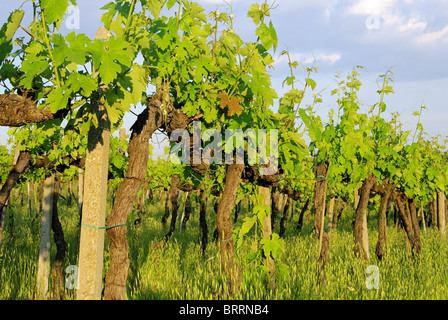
[310, 58]
[439, 35]
[413, 24]
[369, 7]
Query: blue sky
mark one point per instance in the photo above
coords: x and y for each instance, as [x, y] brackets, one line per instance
[409, 36]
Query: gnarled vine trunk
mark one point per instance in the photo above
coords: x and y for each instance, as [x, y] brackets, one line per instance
[275, 205]
[385, 190]
[224, 226]
[360, 229]
[408, 225]
[148, 122]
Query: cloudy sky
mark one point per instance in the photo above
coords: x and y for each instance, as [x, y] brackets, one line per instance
[408, 36]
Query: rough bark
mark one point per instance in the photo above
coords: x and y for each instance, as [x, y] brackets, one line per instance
[361, 247]
[224, 226]
[21, 166]
[334, 223]
[275, 205]
[17, 111]
[414, 220]
[385, 190]
[148, 122]
[433, 207]
[407, 223]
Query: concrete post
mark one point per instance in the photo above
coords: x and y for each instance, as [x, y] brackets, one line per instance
[91, 248]
[43, 271]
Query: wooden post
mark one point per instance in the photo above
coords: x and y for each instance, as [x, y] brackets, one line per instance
[423, 216]
[365, 236]
[441, 213]
[435, 221]
[43, 271]
[267, 233]
[28, 189]
[122, 135]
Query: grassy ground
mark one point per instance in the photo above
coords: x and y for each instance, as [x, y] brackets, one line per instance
[180, 271]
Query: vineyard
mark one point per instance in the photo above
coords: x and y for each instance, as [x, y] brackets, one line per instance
[257, 197]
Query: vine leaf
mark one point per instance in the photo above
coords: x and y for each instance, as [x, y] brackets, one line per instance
[233, 104]
[54, 9]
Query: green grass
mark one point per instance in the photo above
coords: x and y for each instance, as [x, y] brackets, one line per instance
[180, 271]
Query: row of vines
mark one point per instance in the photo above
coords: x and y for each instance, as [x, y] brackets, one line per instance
[65, 97]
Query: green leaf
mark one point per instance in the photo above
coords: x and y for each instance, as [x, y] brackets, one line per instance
[35, 47]
[155, 6]
[268, 36]
[32, 66]
[109, 55]
[261, 212]
[5, 48]
[170, 4]
[139, 81]
[54, 10]
[272, 247]
[77, 51]
[57, 99]
[81, 82]
[313, 129]
[255, 13]
[311, 83]
[14, 23]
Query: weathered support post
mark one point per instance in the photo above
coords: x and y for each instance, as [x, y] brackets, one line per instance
[91, 248]
[122, 134]
[43, 270]
[267, 233]
[441, 213]
[422, 209]
[28, 189]
[94, 209]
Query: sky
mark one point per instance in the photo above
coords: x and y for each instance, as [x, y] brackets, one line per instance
[409, 37]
